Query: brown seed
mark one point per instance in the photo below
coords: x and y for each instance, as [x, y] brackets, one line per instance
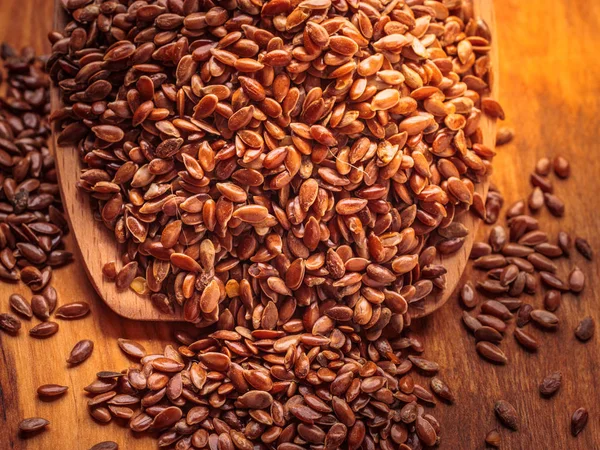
[100, 413]
[543, 166]
[540, 262]
[536, 199]
[9, 323]
[564, 242]
[20, 305]
[585, 329]
[489, 334]
[561, 167]
[576, 280]
[492, 286]
[468, 296]
[132, 348]
[509, 274]
[106, 445]
[429, 367]
[471, 322]
[552, 300]
[553, 281]
[554, 204]
[489, 262]
[44, 330]
[579, 420]
[73, 310]
[82, 351]
[549, 250]
[441, 389]
[507, 414]
[504, 135]
[493, 439]
[550, 385]
[480, 249]
[33, 424]
[492, 321]
[533, 238]
[497, 309]
[584, 248]
[51, 390]
[425, 431]
[39, 307]
[491, 352]
[542, 182]
[513, 304]
[526, 340]
[126, 275]
[544, 319]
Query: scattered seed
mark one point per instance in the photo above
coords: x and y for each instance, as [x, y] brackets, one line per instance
[554, 204]
[51, 390]
[20, 305]
[491, 352]
[526, 340]
[507, 414]
[585, 329]
[543, 166]
[9, 323]
[73, 310]
[576, 280]
[536, 199]
[468, 296]
[561, 167]
[441, 389]
[33, 424]
[579, 420]
[504, 135]
[524, 315]
[584, 248]
[551, 384]
[552, 300]
[493, 439]
[544, 319]
[106, 445]
[44, 330]
[81, 352]
[132, 348]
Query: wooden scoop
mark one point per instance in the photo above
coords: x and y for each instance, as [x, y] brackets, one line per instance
[98, 246]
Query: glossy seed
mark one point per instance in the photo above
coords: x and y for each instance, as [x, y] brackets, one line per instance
[33, 424]
[579, 420]
[81, 351]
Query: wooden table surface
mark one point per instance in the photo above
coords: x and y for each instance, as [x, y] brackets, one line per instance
[550, 90]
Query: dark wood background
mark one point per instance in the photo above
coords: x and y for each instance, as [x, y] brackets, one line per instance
[550, 90]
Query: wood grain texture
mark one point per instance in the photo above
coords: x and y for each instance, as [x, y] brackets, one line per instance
[550, 89]
[97, 245]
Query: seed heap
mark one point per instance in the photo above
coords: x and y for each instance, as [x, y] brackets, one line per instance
[511, 259]
[283, 389]
[31, 222]
[253, 158]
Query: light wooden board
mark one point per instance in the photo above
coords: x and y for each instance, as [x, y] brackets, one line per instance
[550, 89]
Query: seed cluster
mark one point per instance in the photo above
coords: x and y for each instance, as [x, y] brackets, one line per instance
[253, 158]
[286, 173]
[511, 259]
[31, 222]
